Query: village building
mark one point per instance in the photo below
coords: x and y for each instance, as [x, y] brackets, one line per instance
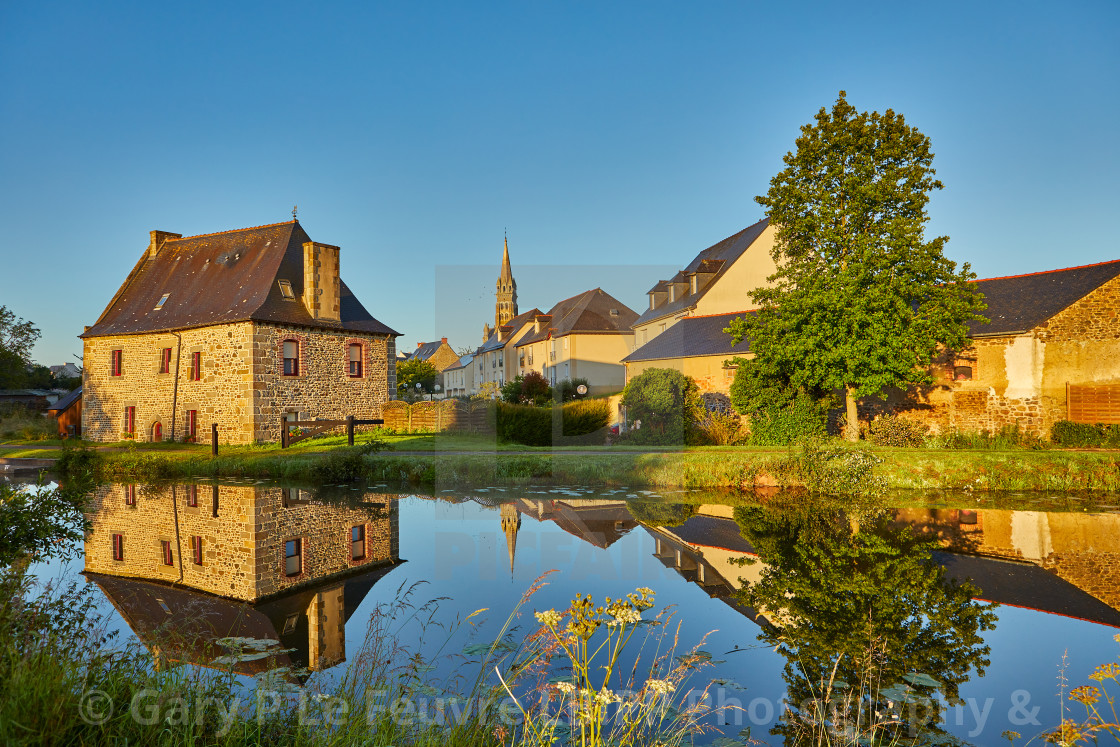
[67, 412]
[189, 565]
[701, 300]
[495, 361]
[1050, 352]
[245, 329]
[458, 380]
[584, 337]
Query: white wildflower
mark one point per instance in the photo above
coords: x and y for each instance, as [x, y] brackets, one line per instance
[565, 687]
[626, 615]
[660, 687]
[606, 697]
[645, 590]
[548, 618]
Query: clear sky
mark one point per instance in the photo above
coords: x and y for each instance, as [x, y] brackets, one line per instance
[613, 140]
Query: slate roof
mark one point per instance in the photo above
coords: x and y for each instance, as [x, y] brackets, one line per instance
[718, 257]
[1019, 303]
[511, 326]
[426, 350]
[587, 313]
[692, 336]
[221, 278]
[464, 361]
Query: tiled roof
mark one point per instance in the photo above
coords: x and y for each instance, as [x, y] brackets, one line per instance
[511, 328]
[692, 336]
[589, 312]
[464, 361]
[222, 278]
[724, 253]
[1020, 303]
[427, 349]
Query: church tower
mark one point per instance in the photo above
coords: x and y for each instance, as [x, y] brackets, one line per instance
[505, 306]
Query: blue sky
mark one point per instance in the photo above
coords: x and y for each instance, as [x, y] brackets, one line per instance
[612, 140]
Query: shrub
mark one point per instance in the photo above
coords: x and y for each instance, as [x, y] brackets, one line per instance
[575, 422]
[665, 401]
[657, 514]
[530, 389]
[799, 420]
[1068, 433]
[719, 427]
[1008, 437]
[892, 430]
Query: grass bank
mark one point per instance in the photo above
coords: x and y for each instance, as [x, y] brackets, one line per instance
[465, 462]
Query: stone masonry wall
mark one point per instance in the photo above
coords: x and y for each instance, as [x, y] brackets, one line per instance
[1020, 380]
[243, 545]
[323, 387]
[222, 394]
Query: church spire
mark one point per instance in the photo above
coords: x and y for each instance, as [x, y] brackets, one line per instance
[511, 522]
[505, 303]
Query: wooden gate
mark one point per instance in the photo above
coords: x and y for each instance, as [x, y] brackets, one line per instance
[309, 428]
[1093, 403]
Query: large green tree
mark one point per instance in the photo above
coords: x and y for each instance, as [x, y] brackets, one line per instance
[17, 337]
[861, 301]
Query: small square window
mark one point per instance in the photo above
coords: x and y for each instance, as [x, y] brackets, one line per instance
[290, 623]
[293, 560]
[286, 288]
[162, 301]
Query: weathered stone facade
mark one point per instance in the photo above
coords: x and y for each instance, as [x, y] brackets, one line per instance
[1021, 379]
[241, 385]
[243, 532]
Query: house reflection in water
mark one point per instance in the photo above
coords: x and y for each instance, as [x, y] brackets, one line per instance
[186, 565]
[598, 522]
[1059, 563]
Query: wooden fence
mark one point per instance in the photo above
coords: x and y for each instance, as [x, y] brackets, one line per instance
[1093, 403]
[442, 415]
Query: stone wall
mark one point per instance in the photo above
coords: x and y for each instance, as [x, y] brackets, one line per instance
[241, 385]
[222, 394]
[1021, 380]
[323, 388]
[242, 539]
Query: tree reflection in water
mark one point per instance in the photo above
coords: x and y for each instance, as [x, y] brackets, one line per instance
[876, 637]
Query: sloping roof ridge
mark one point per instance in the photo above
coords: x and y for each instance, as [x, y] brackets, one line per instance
[1046, 272]
[722, 313]
[732, 236]
[237, 230]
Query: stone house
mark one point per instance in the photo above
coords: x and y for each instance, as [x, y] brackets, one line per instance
[187, 564]
[1050, 352]
[241, 328]
[585, 336]
[710, 291]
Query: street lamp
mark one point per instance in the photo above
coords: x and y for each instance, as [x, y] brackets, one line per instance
[581, 389]
[431, 397]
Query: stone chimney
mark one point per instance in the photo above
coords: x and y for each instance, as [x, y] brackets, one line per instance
[320, 281]
[443, 340]
[419, 345]
[156, 239]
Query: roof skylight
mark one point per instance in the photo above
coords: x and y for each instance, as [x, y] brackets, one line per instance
[162, 301]
[286, 288]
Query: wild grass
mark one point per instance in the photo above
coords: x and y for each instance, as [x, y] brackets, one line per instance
[19, 423]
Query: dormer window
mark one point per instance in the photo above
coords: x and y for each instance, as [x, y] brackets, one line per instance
[162, 301]
[692, 284]
[286, 288]
[614, 312]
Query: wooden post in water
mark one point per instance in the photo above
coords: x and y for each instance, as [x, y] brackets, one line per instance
[350, 430]
[213, 439]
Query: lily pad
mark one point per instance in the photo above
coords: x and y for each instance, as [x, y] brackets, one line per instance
[924, 680]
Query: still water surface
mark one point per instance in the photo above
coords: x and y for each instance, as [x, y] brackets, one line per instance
[308, 565]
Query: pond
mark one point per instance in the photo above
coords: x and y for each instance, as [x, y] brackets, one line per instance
[984, 601]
